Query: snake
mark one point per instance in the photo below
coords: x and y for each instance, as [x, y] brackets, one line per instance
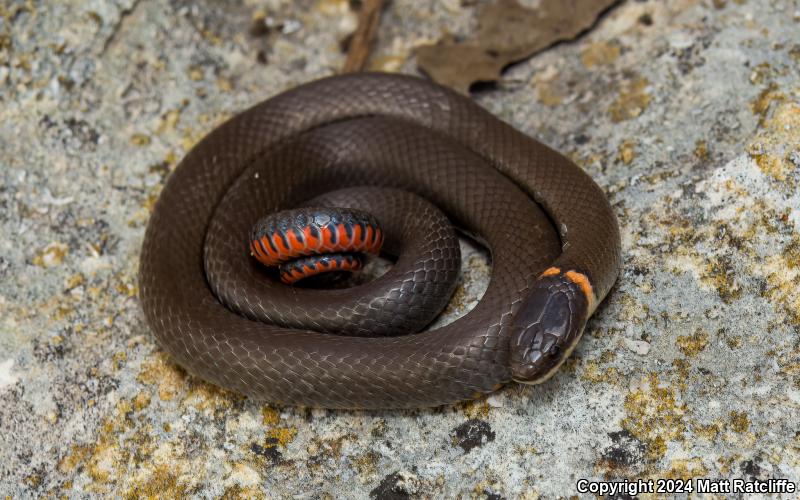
[430, 163]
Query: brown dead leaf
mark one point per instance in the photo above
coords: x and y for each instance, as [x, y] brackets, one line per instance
[507, 33]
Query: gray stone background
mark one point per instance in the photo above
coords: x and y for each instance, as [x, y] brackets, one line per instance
[686, 112]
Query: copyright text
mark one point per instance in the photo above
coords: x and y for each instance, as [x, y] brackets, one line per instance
[696, 485]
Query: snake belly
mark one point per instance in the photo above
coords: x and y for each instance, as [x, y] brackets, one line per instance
[553, 238]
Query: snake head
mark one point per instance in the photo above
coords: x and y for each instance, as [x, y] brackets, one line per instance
[549, 324]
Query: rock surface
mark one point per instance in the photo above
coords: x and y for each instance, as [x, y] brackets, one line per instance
[686, 112]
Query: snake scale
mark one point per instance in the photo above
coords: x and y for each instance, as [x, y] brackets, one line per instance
[552, 235]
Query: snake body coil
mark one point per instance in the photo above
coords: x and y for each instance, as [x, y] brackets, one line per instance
[552, 235]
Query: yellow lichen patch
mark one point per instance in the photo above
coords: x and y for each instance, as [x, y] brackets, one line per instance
[632, 101]
[654, 416]
[333, 7]
[196, 73]
[56, 308]
[121, 418]
[224, 84]
[331, 447]
[593, 373]
[165, 166]
[211, 37]
[258, 17]
[685, 469]
[682, 372]
[458, 301]
[387, 64]
[607, 356]
[691, 345]
[74, 281]
[161, 482]
[237, 492]
[169, 121]
[33, 480]
[245, 475]
[141, 401]
[127, 459]
[771, 165]
[764, 100]
[737, 430]
[270, 416]
[150, 201]
[476, 408]
[794, 52]
[719, 275]
[734, 341]
[587, 159]
[739, 422]
[725, 463]
[118, 359]
[190, 138]
[781, 278]
[52, 255]
[204, 396]
[367, 464]
[627, 152]
[708, 432]
[51, 417]
[77, 456]
[789, 363]
[778, 138]
[760, 73]
[632, 311]
[549, 93]
[169, 378]
[481, 489]
[127, 289]
[600, 53]
[140, 139]
[701, 151]
[105, 459]
[282, 436]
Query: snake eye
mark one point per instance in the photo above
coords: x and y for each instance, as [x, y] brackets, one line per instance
[554, 351]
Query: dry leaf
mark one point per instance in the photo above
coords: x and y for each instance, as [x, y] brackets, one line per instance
[507, 33]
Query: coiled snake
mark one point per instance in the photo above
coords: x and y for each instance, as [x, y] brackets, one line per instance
[553, 239]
